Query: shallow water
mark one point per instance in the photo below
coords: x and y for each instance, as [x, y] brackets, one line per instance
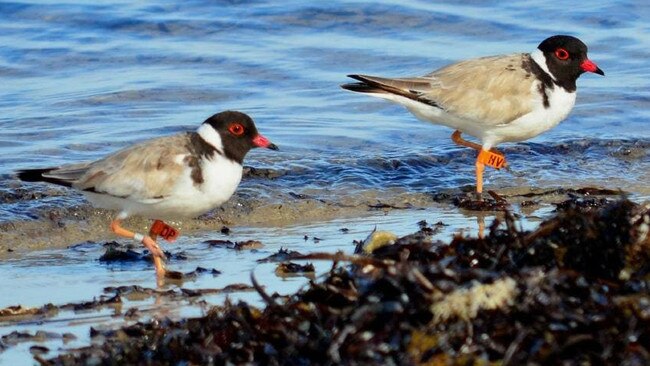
[82, 80]
[75, 274]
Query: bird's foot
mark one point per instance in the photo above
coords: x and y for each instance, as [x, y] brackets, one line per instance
[158, 258]
[149, 243]
[153, 247]
[478, 203]
[169, 233]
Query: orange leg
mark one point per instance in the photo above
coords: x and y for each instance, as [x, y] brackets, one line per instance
[153, 234]
[148, 242]
[456, 138]
[480, 168]
[493, 158]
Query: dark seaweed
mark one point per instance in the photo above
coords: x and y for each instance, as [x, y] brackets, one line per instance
[574, 291]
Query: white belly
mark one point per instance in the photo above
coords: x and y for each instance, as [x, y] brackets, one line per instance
[220, 180]
[539, 120]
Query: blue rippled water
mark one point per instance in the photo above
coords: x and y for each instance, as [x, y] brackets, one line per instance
[83, 79]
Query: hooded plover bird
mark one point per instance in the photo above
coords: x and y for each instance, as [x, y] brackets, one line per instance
[183, 175]
[496, 99]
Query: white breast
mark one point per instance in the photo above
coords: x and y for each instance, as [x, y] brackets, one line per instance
[221, 176]
[539, 120]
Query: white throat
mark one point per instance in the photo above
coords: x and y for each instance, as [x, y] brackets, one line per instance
[540, 60]
[212, 137]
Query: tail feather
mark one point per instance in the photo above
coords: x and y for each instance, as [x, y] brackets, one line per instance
[407, 88]
[365, 86]
[40, 175]
[362, 88]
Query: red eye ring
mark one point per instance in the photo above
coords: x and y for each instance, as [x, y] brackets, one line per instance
[236, 129]
[562, 54]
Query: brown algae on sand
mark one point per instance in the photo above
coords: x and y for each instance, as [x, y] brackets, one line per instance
[572, 291]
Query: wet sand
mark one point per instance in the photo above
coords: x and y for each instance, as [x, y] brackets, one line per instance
[59, 227]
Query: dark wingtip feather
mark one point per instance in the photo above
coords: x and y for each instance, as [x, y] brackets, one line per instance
[362, 88]
[356, 77]
[374, 85]
[31, 175]
[36, 175]
[368, 85]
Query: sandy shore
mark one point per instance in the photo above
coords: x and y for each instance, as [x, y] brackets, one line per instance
[59, 227]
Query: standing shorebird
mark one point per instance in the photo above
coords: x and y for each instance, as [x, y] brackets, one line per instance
[496, 99]
[183, 175]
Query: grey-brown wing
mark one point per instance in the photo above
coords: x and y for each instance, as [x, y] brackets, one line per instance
[143, 172]
[495, 90]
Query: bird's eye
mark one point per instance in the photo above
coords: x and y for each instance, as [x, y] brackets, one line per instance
[562, 54]
[236, 129]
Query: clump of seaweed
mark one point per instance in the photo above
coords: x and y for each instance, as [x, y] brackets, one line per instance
[288, 269]
[574, 291]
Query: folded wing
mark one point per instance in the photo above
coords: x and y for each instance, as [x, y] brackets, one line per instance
[494, 90]
[144, 173]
